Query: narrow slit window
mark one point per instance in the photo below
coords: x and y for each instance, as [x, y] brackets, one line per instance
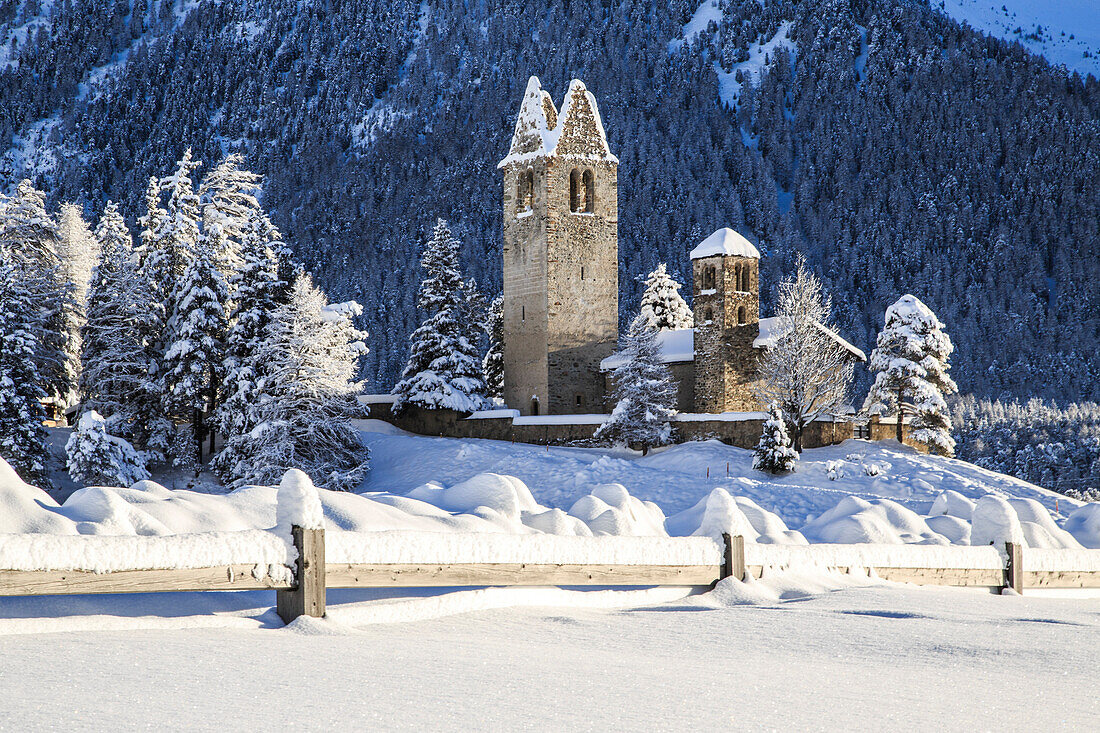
[589, 191]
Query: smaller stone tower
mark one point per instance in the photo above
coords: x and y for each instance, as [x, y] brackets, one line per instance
[726, 285]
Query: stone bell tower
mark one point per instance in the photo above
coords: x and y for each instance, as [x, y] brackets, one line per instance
[561, 255]
[726, 285]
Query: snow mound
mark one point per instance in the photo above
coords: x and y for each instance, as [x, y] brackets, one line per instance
[1084, 525]
[882, 521]
[297, 503]
[954, 504]
[995, 523]
[719, 512]
[484, 493]
[611, 510]
[25, 508]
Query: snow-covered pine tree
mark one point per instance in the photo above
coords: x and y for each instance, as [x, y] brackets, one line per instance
[805, 370]
[444, 368]
[94, 457]
[78, 251]
[662, 303]
[774, 453]
[114, 380]
[644, 392]
[258, 291]
[32, 237]
[910, 362]
[178, 239]
[195, 355]
[22, 436]
[305, 399]
[492, 366]
[229, 210]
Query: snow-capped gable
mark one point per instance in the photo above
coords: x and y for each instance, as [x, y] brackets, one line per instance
[772, 330]
[723, 242]
[533, 135]
[579, 132]
[574, 132]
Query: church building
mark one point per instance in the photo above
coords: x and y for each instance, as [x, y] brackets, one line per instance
[561, 282]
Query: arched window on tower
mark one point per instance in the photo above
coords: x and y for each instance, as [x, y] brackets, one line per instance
[737, 277]
[575, 191]
[525, 191]
[589, 191]
[709, 317]
[745, 279]
[708, 278]
[741, 315]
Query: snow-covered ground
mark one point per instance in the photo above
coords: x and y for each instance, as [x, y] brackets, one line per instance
[857, 492]
[1066, 32]
[787, 653]
[793, 650]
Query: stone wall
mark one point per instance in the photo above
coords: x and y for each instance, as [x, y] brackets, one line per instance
[886, 428]
[582, 285]
[740, 433]
[524, 270]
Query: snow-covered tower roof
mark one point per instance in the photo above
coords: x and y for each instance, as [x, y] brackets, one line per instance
[574, 132]
[723, 242]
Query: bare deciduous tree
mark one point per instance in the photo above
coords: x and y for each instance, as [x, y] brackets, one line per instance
[805, 369]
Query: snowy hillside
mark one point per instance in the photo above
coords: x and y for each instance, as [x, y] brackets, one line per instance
[1066, 32]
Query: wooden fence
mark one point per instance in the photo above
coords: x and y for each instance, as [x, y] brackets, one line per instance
[303, 592]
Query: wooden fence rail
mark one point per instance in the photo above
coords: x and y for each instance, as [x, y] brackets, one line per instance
[305, 594]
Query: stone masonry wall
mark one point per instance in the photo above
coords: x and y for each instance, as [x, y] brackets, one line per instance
[725, 360]
[524, 269]
[582, 286]
[448, 423]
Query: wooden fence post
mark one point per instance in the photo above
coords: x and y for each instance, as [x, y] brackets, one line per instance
[1014, 570]
[734, 565]
[307, 597]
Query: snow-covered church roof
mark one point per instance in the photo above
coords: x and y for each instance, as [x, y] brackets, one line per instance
[774, 329]
[575, 132]
[678, 345]
[725, 241]
[674, 346]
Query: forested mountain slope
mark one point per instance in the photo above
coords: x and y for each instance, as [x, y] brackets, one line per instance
[900, 151]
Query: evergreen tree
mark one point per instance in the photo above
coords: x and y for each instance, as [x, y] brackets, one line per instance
[443, 370]
[774, 453]
[492, 366]
[22, 436]
[97, 458]
[195, 355]
[78, 252]
[644, 392]
[910, 362]
[662, 303]
[31, 235]
[257, 293]
[178, 238]
[306, 398]
[229, 210]
[116, 337]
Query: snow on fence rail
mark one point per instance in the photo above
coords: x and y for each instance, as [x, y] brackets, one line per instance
[300, 571]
